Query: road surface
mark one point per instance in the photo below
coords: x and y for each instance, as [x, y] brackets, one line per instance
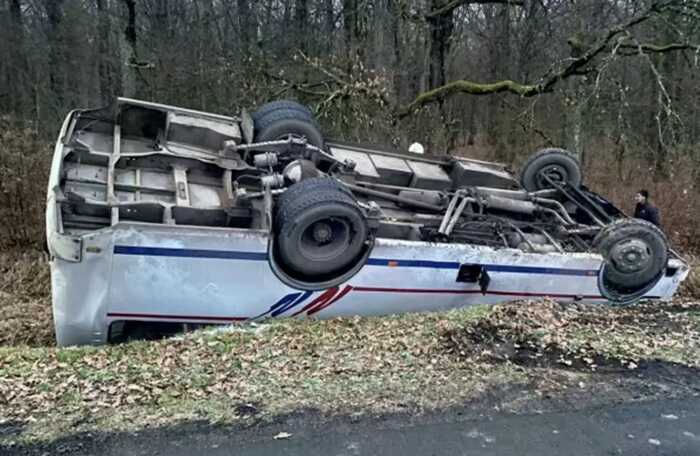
[664, 427]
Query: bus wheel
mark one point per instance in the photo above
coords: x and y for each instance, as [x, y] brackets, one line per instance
[320, 231]
[635, 254]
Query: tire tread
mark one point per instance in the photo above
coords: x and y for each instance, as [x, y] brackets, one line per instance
[537, 156]
[280, 104]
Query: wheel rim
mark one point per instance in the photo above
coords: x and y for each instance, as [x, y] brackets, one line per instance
[629, 271]
[554, 172]
[636, 257]
[631, 256]
[325, 283]
[325, 239]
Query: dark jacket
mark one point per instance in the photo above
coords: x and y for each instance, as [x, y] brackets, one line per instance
[648, 212]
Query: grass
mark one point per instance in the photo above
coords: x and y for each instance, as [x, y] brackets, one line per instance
[413, 362]
[335, 366]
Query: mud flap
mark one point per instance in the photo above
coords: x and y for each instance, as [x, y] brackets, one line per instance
[474, 273]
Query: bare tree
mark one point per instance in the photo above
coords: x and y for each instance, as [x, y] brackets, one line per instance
[578, 65]
[129, 50]
[450, 66]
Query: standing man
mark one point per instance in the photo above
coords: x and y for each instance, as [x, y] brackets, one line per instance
[644, 209]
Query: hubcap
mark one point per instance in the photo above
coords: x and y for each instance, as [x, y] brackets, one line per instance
[555, 172]
[631, 255]
[325, 239]
[322, 232]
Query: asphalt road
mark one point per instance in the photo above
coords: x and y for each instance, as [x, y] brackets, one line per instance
[665, 427]
[658, 428]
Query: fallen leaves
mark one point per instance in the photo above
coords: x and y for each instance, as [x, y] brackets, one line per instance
[588, 337]
[690, 288]
[25, 299]
[354, 364]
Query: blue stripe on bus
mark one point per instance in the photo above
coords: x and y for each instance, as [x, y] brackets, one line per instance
[262, 256]
[189, 253]
[489, 267]
[413, 263]
[540, 270]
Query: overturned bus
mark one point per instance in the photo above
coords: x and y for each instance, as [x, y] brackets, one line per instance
[159, 218]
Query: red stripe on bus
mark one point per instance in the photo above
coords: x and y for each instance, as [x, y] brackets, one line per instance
[173, 317]
[454, 291]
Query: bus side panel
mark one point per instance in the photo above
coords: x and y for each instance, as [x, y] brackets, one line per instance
[80, 292]
[191, 275]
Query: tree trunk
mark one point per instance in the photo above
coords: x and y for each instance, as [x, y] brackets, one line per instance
[17, 79]
[285, 45]
[244, 26]
[57, 83]
[301, 12]
[398, 69]
[440, 30]
[16, 15]
[576, 141]
[329, 22]
[471, 123]
[105, 70]
[353, 30]
[129, 52]
[349, 8]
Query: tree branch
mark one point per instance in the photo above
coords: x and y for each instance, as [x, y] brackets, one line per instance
[659, 48]
[471, 88]
[449, 7]
[574, 67]
[454, 4]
